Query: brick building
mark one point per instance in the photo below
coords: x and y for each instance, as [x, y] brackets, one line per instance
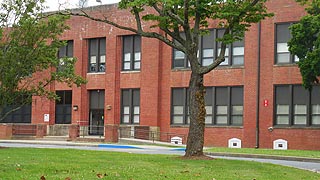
[137, 83]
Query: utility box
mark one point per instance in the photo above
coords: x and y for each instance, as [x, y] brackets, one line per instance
[176, 140]
[234, 143]
[280, 144]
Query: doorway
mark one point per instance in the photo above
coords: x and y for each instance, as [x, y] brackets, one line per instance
[96, 113]
[96, 122]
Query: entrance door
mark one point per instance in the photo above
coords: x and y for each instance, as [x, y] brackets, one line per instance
[96, 122]
[96, 113]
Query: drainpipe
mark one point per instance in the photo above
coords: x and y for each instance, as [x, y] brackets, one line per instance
[258, 87]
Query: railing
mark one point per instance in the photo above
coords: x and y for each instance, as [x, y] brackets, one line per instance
[24, 129]
[139, 132]
[97, 131]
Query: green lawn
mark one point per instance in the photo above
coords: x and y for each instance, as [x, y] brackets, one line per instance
[296, 153]
[66, 164]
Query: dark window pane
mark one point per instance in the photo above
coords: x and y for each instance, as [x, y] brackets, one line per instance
[125, 97]
[177, 96]
[127, 44]
[70, 49]
[237, 95]
[283, 33]
[208, 96]
[59, 109]
[221, 95]
[23, 115]
[208, 40]
[93, 46]
[97, 99]
[62, 52]
[315, 95]
[136, 97]
[60, 94]
[137, 43]
[102, 46]
[282, 95]
[68, 97]
[299, 95]
[179, 63]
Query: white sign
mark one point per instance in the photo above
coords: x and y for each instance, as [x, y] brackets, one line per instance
[46, 117]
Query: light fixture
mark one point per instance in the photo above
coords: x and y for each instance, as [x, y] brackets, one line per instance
[75, 107]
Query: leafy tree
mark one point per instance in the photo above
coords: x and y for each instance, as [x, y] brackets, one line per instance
[28, 53]
[305, 43]
[182, 23]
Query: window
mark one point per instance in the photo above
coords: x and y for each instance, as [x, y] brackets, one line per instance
[63, 107]
[21, 115]
[97, 55]
[224, 106]
[131, 59]
[210, 49]
[297, 106]
[65, 51]
[180, 60]
[234, 54]
[130, 106]
[179, 109]
[283, 35]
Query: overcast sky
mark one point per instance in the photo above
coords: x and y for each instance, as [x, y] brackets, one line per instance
[54, 4]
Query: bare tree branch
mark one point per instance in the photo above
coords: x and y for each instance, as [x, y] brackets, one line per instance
[138, 31]
[2, 117]
[218, 60]
[176, 34]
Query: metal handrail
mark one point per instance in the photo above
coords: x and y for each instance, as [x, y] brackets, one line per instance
[149, 134]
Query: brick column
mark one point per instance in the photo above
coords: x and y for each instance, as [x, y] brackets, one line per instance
[111, 133]
[74, 131]
[5, 131]
[41, 130]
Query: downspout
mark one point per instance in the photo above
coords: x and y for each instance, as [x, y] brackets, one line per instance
[258, 88]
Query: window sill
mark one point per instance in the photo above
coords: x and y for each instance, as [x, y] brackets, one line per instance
[225, 126]
[286, 65]
[129, 125]
[128, 72]
[296, 127]
[95, 73]
[217, 68]
[229, 67]
[180, 69]
[207, 126]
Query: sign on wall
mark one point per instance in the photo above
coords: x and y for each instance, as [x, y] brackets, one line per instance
[46, 117]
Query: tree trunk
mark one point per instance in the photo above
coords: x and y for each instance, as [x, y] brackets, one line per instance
[197, 112]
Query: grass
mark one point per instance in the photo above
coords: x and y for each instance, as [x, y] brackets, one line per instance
[67, 164]
[295, 153]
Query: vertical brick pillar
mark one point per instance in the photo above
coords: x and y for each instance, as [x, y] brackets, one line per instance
[41, 130]
[5, 131]
[74, 131]
[111, 133]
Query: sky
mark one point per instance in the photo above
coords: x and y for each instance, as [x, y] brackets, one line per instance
[54, 4]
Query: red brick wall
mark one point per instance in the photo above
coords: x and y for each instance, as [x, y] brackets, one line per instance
[156, 79]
